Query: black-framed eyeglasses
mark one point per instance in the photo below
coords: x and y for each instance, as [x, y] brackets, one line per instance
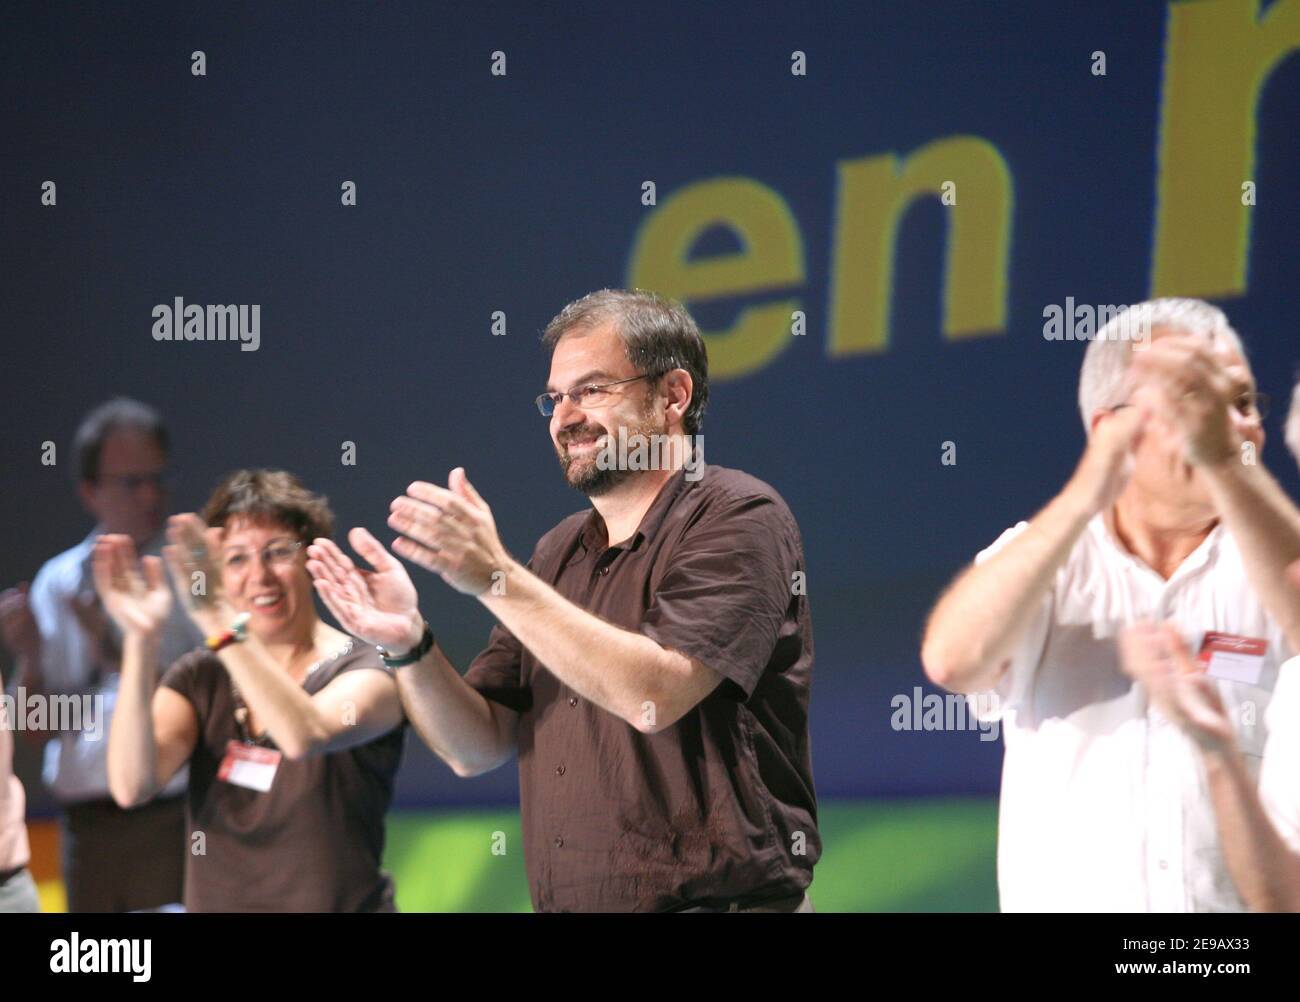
[278, 553]
[1248, 404]
[589, 395]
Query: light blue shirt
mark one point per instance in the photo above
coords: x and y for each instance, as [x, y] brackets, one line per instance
[76, 761]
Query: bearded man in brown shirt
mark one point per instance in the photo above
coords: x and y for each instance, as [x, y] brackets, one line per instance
[652, 662]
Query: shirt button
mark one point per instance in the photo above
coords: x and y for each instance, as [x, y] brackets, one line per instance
[573, 700]
[559, 842]
[1164, 864]
[604, 570]
[559, 769]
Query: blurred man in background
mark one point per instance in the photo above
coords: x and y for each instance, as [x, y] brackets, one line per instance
[1169, 515]
[63, 644]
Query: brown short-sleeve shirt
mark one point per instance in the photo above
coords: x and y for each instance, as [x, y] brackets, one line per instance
[719, 807]
[314, 841]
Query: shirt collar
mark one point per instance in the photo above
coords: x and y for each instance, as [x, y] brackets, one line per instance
[593, 532]
[1193, 562]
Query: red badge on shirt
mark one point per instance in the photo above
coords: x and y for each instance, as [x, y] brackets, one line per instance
[249, 766]
[1233, 658]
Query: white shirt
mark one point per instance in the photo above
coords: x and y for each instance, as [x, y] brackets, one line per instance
[1279, 776]
[76, 761]
[1105, 805]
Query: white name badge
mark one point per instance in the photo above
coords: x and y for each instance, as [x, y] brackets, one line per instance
[1233, 658]
[249, 766]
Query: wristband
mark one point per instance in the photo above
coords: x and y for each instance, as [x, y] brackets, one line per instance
[420, 650]
[237, 634]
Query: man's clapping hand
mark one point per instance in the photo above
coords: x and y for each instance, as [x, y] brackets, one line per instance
[1199, 395]
[1154, 654]
[17, 624]
[134, 592]
[450, 531]
[379, 605]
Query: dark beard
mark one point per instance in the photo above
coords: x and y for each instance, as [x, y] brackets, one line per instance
[591, 479]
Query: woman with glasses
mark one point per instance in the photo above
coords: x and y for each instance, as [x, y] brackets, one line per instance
[292, 730]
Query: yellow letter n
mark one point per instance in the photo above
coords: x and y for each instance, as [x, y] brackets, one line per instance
[874, 193]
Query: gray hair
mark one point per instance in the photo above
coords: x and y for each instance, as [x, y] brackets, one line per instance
[657, 333]
[1293, 424]
[1105, 363]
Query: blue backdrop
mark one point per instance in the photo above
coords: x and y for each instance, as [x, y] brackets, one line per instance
[479, 193]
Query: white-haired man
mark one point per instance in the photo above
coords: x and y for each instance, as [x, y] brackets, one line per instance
[1260, 829]
[1168, 516]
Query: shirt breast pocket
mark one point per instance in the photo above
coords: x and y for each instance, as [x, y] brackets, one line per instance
[1246, 706]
